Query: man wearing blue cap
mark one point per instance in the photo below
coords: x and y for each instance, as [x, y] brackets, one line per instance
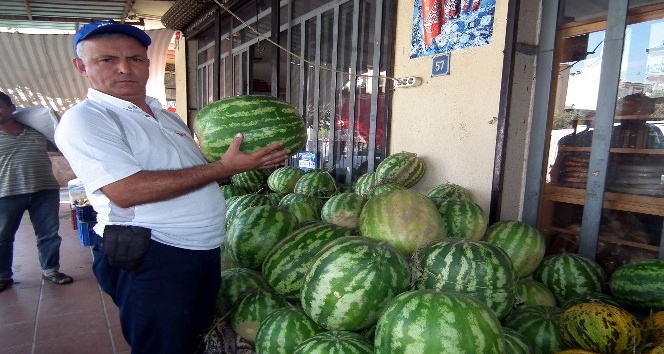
[159, 206]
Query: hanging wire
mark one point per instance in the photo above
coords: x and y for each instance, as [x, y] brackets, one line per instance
[261, 36]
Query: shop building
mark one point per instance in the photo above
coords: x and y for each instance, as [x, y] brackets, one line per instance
[549, 121]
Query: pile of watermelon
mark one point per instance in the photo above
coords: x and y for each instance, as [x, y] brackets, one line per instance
[377, 267]
[312, 266]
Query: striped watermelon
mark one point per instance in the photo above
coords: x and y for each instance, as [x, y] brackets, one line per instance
[442, 192]
[261, 119]
[539, 325]
[384, 188]
[434, 322]
[335, 342]
[299, 197]
[288, 261]
[463, 219]
[365, 185]
[403, 218]
[522, 242]
[255, 231]
[231, 190]
[253, 309]
[350, 281]
[317, 183]
[283, 330]
[533, 293]
[515, 343]
[640, 284]
[235, 205]
[236, 283]
[344, 210]
[252, 181]
[601, 328]
[303, 211]
[568, 275]
[575, 351]
[403, 168]
[591, 296]
[283, 179]
[226, 260]
[475, 268]
[275, 198]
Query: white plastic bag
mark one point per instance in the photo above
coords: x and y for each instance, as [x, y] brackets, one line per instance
[41, 119]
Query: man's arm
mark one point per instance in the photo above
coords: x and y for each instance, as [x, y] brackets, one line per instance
[153, 186]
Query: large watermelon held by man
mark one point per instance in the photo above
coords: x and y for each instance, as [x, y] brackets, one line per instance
[261, 119]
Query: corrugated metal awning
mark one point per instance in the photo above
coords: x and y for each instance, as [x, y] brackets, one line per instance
[37, 69]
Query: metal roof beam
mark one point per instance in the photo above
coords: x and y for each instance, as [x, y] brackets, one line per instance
[140, 22]
[28, 10]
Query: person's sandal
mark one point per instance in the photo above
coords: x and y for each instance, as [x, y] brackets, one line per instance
[5, 284]
[58, 278]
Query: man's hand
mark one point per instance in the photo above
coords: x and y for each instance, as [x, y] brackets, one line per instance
[236, 161]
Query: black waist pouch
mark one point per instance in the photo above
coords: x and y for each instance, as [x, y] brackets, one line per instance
[125, 246]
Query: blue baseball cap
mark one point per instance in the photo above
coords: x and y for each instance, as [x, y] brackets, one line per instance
[110, 26]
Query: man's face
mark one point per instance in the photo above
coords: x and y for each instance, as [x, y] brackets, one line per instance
[6, 112]
[116, 66]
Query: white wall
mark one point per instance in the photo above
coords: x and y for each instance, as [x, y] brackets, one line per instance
[450, 121]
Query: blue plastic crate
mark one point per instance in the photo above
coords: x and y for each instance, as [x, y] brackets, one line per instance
[85, 213]
[85, 232]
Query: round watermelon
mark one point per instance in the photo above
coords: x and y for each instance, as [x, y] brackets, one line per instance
[262, 120]
[515, 343]
[404, 218]
[640, 284]
[601, 328]
[231, 190]
[236, 283]
[522, 242]
[475, 268]
[235, 205]
[569, 274]
[335, 342]
[442, 192]
[539, 325]
[344, 210]
[366, 184]
[435, 322]
[533, 293]
[253, 309]
[255, 231]
[463, 219]
[317, 183]
[253, 181]
[403, 168]
[384, 188]
[283, 179]
[350, 281]
[283, 330]
[287, 263]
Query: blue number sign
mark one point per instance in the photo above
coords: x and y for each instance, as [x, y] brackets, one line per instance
[441, 65]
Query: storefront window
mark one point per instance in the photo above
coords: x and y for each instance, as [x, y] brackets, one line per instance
[633, 191]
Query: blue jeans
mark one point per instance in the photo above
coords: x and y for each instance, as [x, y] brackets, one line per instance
[43, 207]
[168, 303]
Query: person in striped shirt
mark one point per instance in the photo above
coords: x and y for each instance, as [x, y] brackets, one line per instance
[27, 184]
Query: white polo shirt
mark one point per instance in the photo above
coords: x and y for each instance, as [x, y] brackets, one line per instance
[106, 139]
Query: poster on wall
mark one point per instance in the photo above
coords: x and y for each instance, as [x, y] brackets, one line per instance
[443, 26]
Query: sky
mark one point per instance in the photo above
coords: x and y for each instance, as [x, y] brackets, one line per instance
[584, 76]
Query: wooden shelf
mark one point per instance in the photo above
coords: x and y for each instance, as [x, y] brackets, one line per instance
[615, 150]
[621, 118]
[611, 239]
[616, 201]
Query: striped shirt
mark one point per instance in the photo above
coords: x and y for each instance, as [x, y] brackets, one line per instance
[24, 163]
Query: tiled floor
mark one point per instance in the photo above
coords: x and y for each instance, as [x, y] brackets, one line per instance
[38, 317]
